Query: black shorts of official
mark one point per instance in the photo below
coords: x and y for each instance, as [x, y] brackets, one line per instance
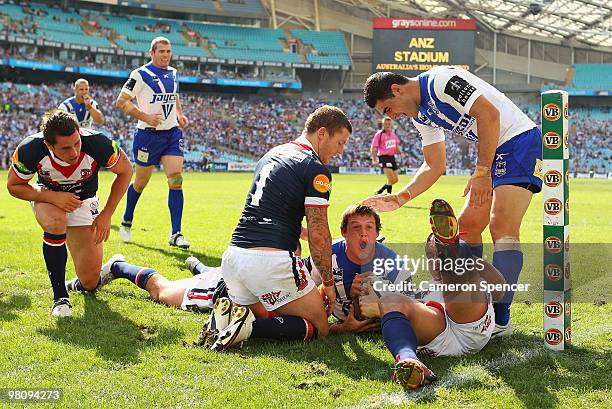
[387, 162]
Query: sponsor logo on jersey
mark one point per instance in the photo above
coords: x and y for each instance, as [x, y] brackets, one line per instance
[459, 89]
[552, 140]
[553, 336]
[553, 244]
[553, 309]
[552, 178]
[553, 206]
[553, 272]
[551, 112]
[163, 98]
[321, 183]
[129, 84]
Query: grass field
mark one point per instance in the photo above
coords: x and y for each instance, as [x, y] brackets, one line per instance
[122, 350]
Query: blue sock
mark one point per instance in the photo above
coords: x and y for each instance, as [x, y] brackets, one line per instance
[509, 263]
[399, 335]
[130, 204]
[136, 274]
[56, 256]
[175, 204]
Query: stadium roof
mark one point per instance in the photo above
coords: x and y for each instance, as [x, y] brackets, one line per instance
[579, 21]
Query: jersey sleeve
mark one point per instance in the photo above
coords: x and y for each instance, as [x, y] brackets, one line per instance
[454, 88]
[94, 104]
[63, 107]
[133, 85]
[25, 160]
[429, 134]
[104, 150]
[376, 140]
[318, 185]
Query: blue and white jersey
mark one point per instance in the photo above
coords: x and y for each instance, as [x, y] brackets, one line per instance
[81, 112]
[344, 271]
[447, 95]
[156, 91]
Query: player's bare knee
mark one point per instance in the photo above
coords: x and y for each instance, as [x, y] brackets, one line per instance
[322, 329]
[55, 223]
[175, 181]
[502, 231]
[89, 283]
[470, 225]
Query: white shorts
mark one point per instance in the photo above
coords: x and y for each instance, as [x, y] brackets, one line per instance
[461, 339]
[199, 295]
[84, 215]
[274, 278]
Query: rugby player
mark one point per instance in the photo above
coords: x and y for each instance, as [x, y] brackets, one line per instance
[67, 160]
[82, 105]
[508, 168]
[158, 138]
[458, 323]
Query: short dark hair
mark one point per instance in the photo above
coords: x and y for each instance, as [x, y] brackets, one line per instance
[378, 87]
[57, 122]
[329, 117]
[359, 210]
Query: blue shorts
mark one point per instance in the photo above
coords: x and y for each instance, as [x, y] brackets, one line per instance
[519, 161]
[150, 145]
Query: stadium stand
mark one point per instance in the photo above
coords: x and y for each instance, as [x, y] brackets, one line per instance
[592, 76]
[236, 130]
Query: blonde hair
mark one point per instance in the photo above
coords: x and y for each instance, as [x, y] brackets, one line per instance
[158, 40]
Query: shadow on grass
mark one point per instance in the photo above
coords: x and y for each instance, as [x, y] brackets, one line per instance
[180, 255]
[343, 354]
[113, 336]
[9, 306]
[522, 363]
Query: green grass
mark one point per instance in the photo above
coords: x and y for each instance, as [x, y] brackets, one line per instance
[122, 350]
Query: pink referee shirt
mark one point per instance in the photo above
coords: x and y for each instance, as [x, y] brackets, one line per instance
[385, 142]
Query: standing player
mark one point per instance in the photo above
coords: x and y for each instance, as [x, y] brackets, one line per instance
[82, 105]
[385, 146]
[67, 160]
[291, 181]
[158, 138]
[509, 157]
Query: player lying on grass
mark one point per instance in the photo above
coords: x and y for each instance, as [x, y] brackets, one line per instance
[352, 256]
[462, 324]
[66, 160]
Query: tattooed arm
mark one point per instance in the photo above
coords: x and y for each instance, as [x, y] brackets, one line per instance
[319, 242]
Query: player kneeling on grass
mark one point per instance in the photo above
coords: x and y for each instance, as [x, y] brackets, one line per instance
[64, 201]
[462, 324]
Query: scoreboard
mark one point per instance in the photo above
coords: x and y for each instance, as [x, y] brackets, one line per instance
[410, 46]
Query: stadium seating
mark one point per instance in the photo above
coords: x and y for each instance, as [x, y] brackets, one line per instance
[592, 76]
[329, 46]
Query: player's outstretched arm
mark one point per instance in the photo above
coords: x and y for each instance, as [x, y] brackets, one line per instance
[320, 243]
[123, 170]
[430, 171]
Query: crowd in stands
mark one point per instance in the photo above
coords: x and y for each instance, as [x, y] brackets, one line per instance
[251, 127]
